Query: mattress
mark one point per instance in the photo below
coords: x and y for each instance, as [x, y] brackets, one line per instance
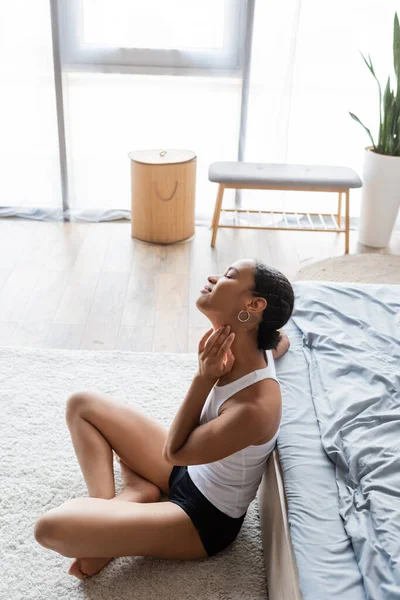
[338, 446]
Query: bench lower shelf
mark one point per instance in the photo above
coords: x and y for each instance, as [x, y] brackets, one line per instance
[334, 226]
[285, 215]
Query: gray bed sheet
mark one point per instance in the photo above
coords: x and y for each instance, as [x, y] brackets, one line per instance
[324, 555]
[339, 443]
[350, 337]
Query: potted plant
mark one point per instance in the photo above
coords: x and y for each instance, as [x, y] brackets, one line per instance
[381, 173]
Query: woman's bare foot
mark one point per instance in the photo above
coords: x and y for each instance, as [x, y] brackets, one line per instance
[85, 567]
[135, 489]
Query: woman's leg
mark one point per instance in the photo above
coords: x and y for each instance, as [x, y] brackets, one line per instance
[93, 526]
[135, 489]
[90, 418]
[98, 424]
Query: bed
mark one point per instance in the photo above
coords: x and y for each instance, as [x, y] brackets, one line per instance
[329, 500]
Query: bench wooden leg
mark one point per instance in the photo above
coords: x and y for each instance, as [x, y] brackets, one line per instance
[347, 233]
[217, 212]
[339, 210]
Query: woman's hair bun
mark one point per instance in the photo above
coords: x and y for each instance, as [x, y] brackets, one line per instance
[267, 338]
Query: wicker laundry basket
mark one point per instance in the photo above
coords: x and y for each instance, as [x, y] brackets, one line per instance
[163, 195]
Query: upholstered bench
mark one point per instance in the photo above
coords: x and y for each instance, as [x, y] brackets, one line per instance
[242, 175]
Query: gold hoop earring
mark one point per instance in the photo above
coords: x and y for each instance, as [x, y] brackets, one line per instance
[247, 318]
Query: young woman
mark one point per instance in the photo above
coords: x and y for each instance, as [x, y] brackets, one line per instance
[209, 463]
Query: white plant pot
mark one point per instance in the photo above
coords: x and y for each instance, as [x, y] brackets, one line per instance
[380, 198]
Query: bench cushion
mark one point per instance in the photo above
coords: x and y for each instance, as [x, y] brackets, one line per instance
[283, 175]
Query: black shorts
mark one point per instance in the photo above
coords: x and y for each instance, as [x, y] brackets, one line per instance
[217, 530]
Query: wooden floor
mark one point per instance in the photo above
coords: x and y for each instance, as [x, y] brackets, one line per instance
[91, 286]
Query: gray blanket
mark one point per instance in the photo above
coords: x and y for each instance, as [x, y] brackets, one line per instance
[351, 340]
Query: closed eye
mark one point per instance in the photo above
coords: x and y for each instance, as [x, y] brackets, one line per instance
[227, 276]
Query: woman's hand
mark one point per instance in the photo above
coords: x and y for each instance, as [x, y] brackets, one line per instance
[215, 356]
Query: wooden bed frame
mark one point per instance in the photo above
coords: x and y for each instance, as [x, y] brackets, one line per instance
[280, 564]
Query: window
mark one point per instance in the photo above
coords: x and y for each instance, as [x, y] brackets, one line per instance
[121, 34]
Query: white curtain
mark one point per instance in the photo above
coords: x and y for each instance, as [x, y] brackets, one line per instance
[29, 160]
[110, 115]
[306, 74]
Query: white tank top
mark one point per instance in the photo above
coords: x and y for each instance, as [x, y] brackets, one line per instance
[232, 482]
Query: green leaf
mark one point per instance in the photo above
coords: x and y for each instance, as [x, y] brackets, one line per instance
[397, 148]
[387, 103]
[368, 63]
[396, 51]
[372, 70]
[396, 60]
[353, 116]
[395, 119]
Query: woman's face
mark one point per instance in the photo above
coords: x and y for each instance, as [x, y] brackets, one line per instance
[224, 296]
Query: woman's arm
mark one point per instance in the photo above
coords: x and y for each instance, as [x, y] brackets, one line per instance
[215, 359]
[238, 427]
[188, 416]
[282, 347]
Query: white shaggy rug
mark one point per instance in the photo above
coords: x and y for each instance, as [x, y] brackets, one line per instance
[39, 471]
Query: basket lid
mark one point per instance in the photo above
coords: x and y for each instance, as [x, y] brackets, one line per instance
[162, 157]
